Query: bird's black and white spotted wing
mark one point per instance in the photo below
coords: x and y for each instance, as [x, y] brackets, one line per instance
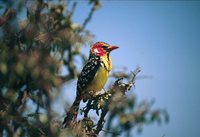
[88, 72]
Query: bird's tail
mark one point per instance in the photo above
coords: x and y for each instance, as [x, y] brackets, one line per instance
[72, 113]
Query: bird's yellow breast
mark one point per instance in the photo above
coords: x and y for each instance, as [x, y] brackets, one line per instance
[99, 81]
[101, 76]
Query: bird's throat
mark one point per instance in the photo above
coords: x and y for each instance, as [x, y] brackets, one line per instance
[106, 62]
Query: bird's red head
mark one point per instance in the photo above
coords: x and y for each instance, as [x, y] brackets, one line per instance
[102, 48]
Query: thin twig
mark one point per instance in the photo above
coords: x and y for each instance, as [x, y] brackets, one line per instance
[111, 132]
[86, 21]
[7, 16]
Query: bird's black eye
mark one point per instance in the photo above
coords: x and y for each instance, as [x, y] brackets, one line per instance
[105, 47]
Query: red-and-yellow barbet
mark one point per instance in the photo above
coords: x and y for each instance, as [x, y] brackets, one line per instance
[92, 78]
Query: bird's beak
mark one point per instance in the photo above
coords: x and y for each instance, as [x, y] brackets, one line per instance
[112, 48]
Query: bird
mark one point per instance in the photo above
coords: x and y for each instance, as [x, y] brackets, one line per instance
[92, 78]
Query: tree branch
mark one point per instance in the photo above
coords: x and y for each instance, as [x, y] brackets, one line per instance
[108, 97]
[7, 16]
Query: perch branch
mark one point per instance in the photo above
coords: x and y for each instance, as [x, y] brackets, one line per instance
[117, 87]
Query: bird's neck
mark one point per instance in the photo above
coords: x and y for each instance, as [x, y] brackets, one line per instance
[106, 62]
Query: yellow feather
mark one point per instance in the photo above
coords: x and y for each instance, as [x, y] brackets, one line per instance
[99, 80]
[107, 61]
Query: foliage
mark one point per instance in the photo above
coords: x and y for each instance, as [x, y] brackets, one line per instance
[33, 52]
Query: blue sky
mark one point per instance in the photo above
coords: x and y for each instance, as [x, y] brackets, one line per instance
[163, 38]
